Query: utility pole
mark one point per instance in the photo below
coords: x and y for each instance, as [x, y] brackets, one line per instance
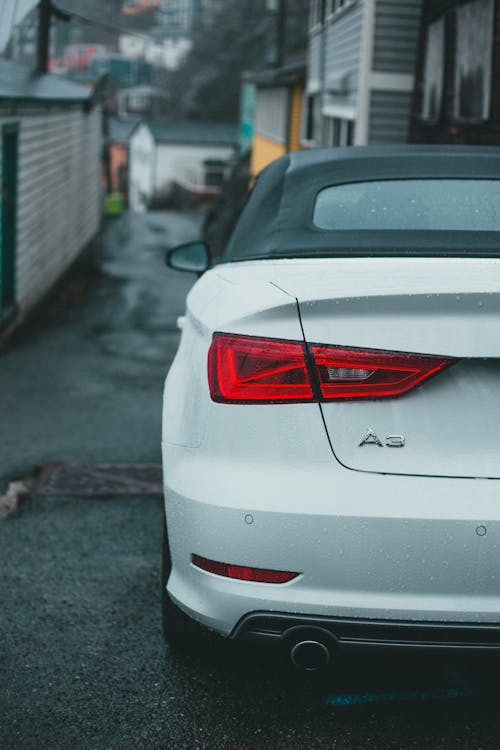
[44, 18]
[46, 11]
[280, 32]
[278, 8]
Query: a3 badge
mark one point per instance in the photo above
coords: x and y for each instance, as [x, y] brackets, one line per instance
[391, 441]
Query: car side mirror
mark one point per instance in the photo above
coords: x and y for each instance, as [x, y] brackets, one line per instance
[193, 257]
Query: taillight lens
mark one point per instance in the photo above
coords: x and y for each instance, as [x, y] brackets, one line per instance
[245, 369]
[242, 572]
[365, 373]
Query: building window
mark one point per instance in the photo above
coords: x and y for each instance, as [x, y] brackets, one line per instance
[138, 103]
[433, 78]
[335, 127]
[309, 128]
[311, 119]
[317, 13]
[339, 132]
[215, 170]
[272, 114]
[332, 6]
[473, 62]
[350, 133]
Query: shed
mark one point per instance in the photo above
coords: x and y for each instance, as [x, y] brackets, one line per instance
[50, 169]
[190, 156]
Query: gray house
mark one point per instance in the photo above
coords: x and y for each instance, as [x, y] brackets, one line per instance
[361, 67]
[50, 168]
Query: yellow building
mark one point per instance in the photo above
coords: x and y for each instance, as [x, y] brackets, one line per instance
[278, 114]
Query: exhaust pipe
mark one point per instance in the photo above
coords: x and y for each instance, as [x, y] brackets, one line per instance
[310, 655]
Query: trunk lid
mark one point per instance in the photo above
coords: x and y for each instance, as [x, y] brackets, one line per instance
[447, 307]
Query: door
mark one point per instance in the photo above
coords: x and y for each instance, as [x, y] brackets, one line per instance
[8, 229]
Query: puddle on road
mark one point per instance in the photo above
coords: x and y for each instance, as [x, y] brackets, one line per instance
[355, 699]
[415, 685]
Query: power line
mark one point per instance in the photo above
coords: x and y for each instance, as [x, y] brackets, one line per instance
[13, 20]
[106, 26]
[115, 27]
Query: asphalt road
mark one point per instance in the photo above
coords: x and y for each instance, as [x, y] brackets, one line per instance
[82, 663]
[84, 383]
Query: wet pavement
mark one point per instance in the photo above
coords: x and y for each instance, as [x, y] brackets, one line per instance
[82, 663]
[87, 387]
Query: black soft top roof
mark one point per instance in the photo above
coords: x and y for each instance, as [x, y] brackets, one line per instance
[277, 220]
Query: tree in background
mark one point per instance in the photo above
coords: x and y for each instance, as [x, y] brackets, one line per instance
[235, 37]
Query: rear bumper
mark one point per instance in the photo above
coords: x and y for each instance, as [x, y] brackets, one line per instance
[367, 547]
[274, 629]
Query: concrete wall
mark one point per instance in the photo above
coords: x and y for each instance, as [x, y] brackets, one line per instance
[59, 194]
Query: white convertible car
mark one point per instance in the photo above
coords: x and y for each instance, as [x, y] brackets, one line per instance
[331, 427]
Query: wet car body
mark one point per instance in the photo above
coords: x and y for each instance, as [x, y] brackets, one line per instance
[330, 444]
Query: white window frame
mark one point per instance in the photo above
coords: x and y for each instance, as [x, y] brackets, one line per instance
[342, 123]
[316, 15]
[334, 8]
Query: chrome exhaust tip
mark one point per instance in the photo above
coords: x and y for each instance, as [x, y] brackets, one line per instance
[310, 655]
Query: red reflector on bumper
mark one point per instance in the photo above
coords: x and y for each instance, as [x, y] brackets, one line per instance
[242, 572]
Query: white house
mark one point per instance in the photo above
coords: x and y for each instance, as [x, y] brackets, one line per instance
[189, 156]
[361, 68]
[50, 167]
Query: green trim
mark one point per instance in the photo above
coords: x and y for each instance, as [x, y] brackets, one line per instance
[8, 211]
[8, 315]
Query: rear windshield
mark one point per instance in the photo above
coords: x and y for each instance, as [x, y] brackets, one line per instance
[437, 204]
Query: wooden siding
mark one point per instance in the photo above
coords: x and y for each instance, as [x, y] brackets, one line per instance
[59, 195]
[343, 53]
[448, 129]
[397, 29]
[264, 151]
[271, 115]
[389, 116]
[314, 62]
[295, 118]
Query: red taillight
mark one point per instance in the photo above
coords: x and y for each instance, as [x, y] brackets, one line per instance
[241, 572]
[244, 369]
[365, 373]
[250, 370]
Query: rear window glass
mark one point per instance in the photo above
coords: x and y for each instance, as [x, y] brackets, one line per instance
[458, 205]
